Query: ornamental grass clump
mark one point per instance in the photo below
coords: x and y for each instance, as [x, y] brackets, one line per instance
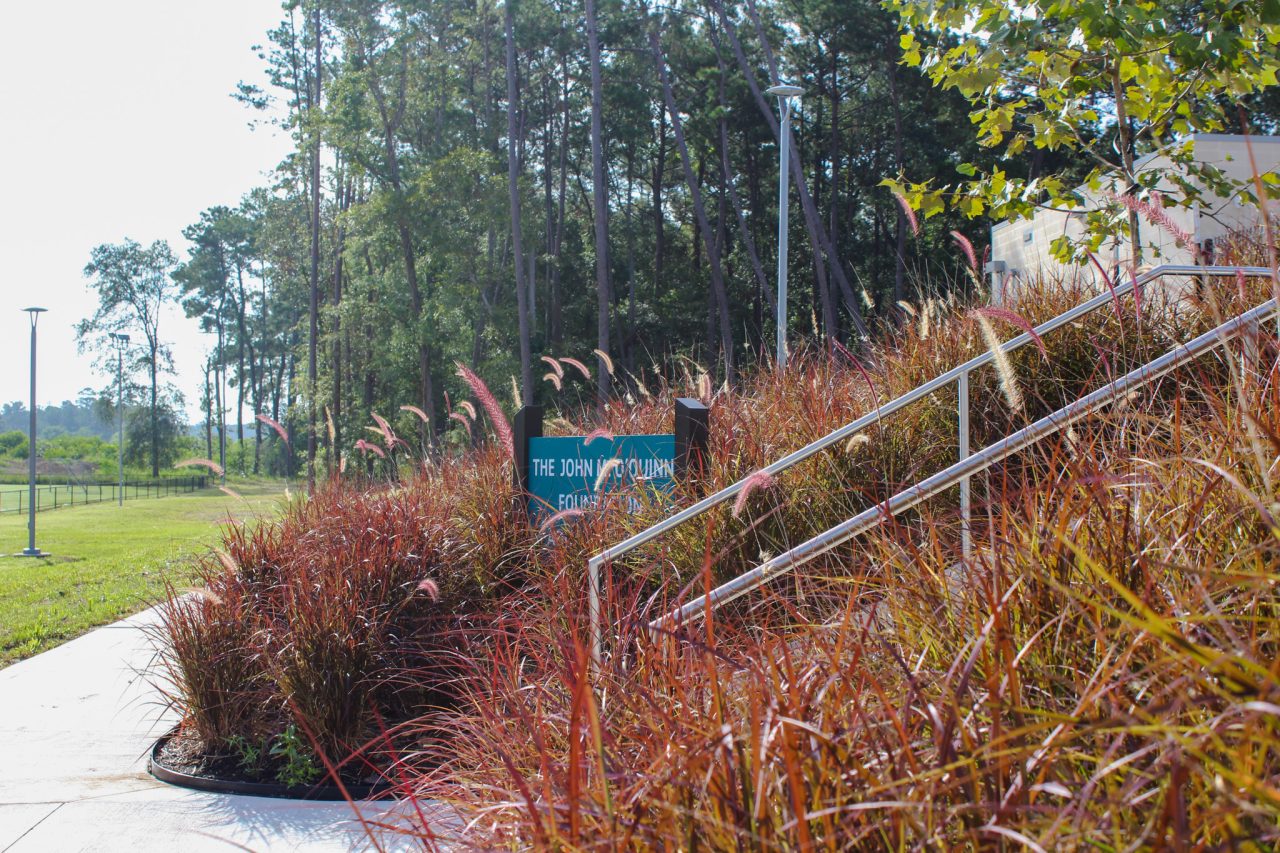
[1100, 663]
[1100, 671]
[313, 619]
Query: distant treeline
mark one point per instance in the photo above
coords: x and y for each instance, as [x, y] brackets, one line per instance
[83, 417]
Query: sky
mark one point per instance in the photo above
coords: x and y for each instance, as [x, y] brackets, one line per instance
[118, 122]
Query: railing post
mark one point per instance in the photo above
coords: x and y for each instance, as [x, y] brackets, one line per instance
[593, 610]
[962, 417]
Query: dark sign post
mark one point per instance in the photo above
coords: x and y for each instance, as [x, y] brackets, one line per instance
[528, 424]
[558, 473]
[693, 427]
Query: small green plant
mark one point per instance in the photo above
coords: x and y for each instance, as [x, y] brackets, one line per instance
[298, 764]
[248, 754]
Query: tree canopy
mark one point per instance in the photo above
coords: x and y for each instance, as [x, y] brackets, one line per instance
[1106, 80]
[501, 185]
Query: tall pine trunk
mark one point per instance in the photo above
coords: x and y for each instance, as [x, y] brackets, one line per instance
[695, 192]
[600, 190]
[513, 180]
[313, 302]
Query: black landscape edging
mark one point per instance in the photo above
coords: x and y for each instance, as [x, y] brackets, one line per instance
[257, 789]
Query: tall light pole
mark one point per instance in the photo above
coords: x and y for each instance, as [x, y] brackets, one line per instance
[784, 94]
[122, 342]
[31, 549]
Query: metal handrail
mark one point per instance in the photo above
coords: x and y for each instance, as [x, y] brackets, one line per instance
[965, 468]
[958, 374]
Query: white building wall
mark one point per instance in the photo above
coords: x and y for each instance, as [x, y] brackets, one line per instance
[1022, 249]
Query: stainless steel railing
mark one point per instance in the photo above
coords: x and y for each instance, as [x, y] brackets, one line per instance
[958, 375]
[966, 468]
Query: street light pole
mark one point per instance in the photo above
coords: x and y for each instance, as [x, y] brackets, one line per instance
[121, 342]
[784, 93]
[31, 549]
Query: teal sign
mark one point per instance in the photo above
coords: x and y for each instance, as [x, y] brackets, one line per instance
[564, 470]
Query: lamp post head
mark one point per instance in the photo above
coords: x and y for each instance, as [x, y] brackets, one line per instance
[784, 90]
[35, 314]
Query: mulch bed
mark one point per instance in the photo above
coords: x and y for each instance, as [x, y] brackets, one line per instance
[184, 761]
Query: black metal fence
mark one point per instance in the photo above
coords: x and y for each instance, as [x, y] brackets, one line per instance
[17, 498]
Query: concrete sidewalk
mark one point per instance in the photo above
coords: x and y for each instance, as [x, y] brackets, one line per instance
[76, 724]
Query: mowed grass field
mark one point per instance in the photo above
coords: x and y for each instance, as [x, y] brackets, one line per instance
[107, 561]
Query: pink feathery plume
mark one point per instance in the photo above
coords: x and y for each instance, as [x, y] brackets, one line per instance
[579, 366]
[756, 482]
[1106, 362]
[966, 247]
[1015, 319]
[558, 517]
[555, 365]
[491, 408]
[553, 379]
[600, 432]
[462, 419]
[909, 214]
[203, 463]
[369, 447]
[467, 407]
[421, 414]
[388, 435]
[280, 431]
[1137, 294]
[1153, 211]
[1106, 279]
[430, 587]
[843, 350]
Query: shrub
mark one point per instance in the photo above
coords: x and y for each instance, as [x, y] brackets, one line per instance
[1093, 670]
[313, 619]
[1101, 669]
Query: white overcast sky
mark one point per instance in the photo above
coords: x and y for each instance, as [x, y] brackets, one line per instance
[117, 122]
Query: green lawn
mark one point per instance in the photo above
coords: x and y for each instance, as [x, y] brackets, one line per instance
[107, 561]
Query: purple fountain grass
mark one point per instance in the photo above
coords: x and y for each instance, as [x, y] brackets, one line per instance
[552, 520]
[462, 418]
[280, 431]
[598, 432]
[604, 360]
[909, 214]
[1014, 318]
[759, 481]
[200, 463]
[491, 407]
[369, 447]
[555, 365]
[577, 365]
[422, 416]
[966, 247]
